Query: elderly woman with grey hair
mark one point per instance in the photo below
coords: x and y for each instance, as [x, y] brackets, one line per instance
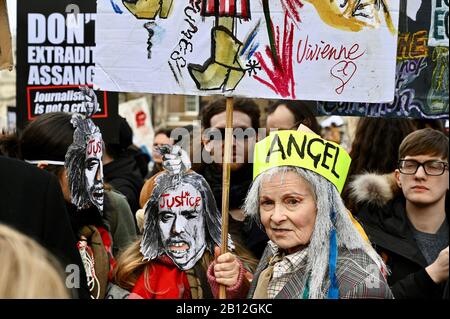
[314, 251]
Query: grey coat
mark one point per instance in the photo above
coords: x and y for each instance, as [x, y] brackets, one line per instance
[355, 271]
[121, 222]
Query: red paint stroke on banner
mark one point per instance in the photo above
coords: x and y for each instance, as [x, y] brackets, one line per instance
[292, 8]
[232, 6]
[343, 71]
[224, 8]
[245, 9]
[281, 74]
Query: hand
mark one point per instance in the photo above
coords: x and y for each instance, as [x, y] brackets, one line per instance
[176, 161]
[226, 269]
[438, 271]
[90, 99]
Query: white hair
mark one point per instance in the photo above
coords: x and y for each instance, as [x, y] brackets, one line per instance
[328, 200]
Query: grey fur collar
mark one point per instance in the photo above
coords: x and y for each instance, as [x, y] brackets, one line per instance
[373, 188]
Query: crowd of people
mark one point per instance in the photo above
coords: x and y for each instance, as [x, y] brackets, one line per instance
[97, 223]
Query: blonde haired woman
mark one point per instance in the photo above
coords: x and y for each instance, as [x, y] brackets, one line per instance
[28, 271]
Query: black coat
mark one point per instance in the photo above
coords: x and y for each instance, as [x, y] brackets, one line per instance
[124, 175]
[31, 201]
[247, 233]
[389, 230]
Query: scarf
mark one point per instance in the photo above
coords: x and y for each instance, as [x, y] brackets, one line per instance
[240, 182]
[162, 279]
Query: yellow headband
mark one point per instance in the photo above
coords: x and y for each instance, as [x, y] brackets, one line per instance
[305, 150]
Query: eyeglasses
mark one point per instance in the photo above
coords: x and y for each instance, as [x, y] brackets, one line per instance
[218, 134]
[432, 168]
[155, 145]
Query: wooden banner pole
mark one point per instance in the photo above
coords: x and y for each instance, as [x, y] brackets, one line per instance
[228, 149]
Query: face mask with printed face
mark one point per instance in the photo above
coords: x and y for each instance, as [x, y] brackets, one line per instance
[94, 170]
[83, 162]
[181, 224]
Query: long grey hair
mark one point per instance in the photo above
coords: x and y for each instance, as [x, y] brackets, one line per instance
[151, 245]
[327, 200]
[75, 160]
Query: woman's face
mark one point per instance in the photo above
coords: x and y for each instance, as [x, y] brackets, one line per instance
[288, 210]
[282, 119]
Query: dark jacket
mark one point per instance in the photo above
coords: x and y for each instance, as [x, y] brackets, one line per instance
[122, 225]
[124, 176]
[116, 219]
[390, 231]
[31, 201]
[247, 233]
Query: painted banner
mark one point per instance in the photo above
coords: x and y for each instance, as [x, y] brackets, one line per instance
[421, 86]
[137, 114]
[55, 42]
[295, 49]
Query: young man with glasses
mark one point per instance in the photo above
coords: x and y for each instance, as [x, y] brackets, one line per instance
[411, 231]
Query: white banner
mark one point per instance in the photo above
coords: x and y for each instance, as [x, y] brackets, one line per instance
[295, 49]
[137, 113]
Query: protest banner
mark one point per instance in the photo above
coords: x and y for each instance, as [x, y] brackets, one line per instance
[421, 86]
[294, 49]
[55, 42]
[137, 114]
[300, 49]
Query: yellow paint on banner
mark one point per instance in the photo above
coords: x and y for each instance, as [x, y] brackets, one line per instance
[305, 150]
[6, 59]
[149, 9]
[350, 15]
